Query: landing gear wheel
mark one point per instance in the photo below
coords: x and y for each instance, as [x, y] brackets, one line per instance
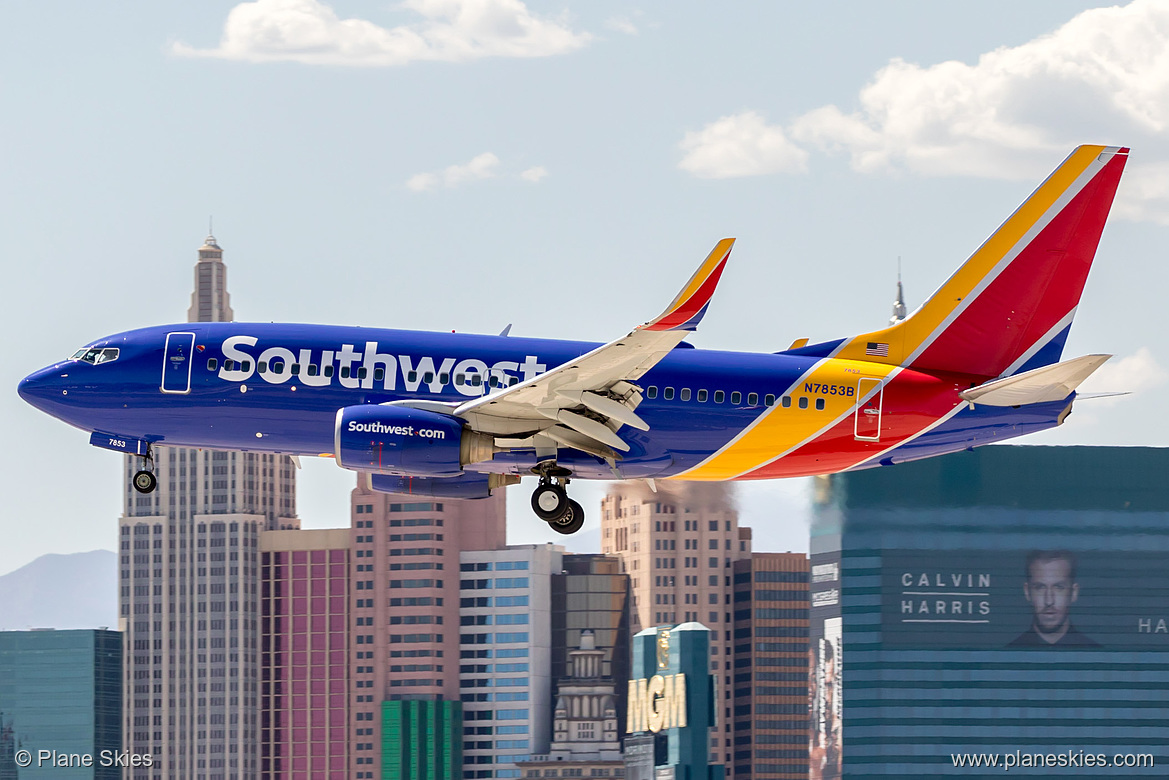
[549, 501]
[571, 521]
[145, 482]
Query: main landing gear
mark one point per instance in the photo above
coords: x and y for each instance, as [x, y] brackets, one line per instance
[551, 503]
[144, 480]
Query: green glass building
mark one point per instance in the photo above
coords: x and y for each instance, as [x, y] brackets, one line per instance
[1001, 604]
[422, 740]
[62, 691]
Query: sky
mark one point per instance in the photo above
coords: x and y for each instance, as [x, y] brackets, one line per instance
[560, 166]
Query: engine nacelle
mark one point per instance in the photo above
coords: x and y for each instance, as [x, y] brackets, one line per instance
[469, 485]
[399, 440]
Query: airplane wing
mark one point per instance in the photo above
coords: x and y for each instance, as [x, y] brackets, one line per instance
[583, 403]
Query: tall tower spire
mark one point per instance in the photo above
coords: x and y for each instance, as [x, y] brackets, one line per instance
[210, 301]
[899, 304]
[198, 611]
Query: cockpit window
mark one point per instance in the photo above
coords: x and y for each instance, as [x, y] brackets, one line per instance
[95, 356]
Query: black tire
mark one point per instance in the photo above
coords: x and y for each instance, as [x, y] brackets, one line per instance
[571, 521]
[145, 482]
[542, 498]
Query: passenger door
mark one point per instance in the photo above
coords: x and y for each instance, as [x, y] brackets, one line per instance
[176, 362]
[868, 410]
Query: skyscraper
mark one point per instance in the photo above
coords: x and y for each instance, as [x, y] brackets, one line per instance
[771, 667]
[1006, 602]
[505, 656]
[210, 301]
[189, 591]
[304, 629]
[404, 619]
[61, 691]
[591, 596]
[679, 546]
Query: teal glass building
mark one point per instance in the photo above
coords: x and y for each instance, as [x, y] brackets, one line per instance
[422, 739]
[1009, 602]
[672, 705]
[61, 690]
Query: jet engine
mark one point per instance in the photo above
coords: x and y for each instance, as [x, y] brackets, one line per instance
[400, 440]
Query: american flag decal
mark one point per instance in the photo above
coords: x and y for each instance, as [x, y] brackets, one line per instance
[877, 349]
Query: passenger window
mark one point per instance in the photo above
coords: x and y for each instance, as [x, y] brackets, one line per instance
[769, 399]
[345, 370]
[277, 367]
[701, 396]
[379, 374]
[295, 369]
[458, 379]
[719, 396]
[786, 401]
[752, 399]
[515, 380]
[819, 404]
[362, 372]
[651, 391]
[668, 394]
[328, 370]
[247, 366]
[443, 379]
[412, 376]
[229, 365]
[262, 366]
[803, 402]
[212, 364]
[684, 394]
[736, 398]
[428, 377]
[313, 369]
[476, 380]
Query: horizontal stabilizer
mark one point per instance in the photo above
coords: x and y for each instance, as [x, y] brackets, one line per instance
[1049, 383]
[1092, 396]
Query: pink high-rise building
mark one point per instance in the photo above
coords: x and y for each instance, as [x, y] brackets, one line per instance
[404, 605]
[679, 546]
[304, 625]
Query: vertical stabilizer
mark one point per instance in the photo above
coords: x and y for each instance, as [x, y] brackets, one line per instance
[1009, 307]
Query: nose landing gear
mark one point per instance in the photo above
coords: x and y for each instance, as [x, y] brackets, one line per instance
[551, 503]
[144, 480]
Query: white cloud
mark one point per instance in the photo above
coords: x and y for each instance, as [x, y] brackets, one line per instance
[622, 24]
[1134, 373]
[534, 174]
[310, 32]
[740, 145]
[1103, 77]
[483, 166]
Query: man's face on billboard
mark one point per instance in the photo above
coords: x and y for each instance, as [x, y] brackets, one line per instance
[1051, 591]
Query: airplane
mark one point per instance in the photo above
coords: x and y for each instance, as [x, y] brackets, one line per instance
[446, 415]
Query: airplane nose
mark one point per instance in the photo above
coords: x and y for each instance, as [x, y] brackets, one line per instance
[39, 386]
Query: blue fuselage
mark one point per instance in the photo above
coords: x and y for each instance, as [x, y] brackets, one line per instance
[278, 387]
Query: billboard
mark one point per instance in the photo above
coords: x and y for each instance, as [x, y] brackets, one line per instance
[1027, 599]
[825, 669]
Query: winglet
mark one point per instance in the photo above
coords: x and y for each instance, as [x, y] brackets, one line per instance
[688, 307]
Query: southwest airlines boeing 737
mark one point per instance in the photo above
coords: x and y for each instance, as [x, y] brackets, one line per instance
[455, 415]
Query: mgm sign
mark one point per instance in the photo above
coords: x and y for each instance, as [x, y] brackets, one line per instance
[657, 703]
